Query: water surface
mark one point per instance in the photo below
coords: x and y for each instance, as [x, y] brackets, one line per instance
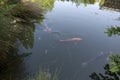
[72, 60]
[87, 22]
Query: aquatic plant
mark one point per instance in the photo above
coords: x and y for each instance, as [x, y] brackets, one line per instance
[114, 30]
[43, 75]
[112, 70]
[115, 63]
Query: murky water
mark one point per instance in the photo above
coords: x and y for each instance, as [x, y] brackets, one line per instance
[77, 59]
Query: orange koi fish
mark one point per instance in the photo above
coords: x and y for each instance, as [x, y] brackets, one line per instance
[71, 39]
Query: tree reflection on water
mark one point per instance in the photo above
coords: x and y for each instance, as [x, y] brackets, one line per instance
[85, 2]
[114, 30]
[17, 18]
[17, 25]
[104, 4]
[110, 4]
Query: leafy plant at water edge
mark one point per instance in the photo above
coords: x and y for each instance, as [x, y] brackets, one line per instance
[112, 70]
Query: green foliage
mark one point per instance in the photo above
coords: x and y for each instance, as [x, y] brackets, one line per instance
[102, 2]
[7, 2]
[115, 63]
[114, 30]
[47, 4]
[42, 75]
[25, 33]
[17, 25]
[6, 10]
[27, 12]
[112, 70]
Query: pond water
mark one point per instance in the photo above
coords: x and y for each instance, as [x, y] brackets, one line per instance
[73, 60]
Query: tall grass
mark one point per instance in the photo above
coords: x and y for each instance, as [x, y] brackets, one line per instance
[42, 75]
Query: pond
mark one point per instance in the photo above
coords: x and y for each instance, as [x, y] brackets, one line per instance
[72, 41]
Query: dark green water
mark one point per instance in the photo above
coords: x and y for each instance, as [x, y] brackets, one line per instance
[74, 60]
